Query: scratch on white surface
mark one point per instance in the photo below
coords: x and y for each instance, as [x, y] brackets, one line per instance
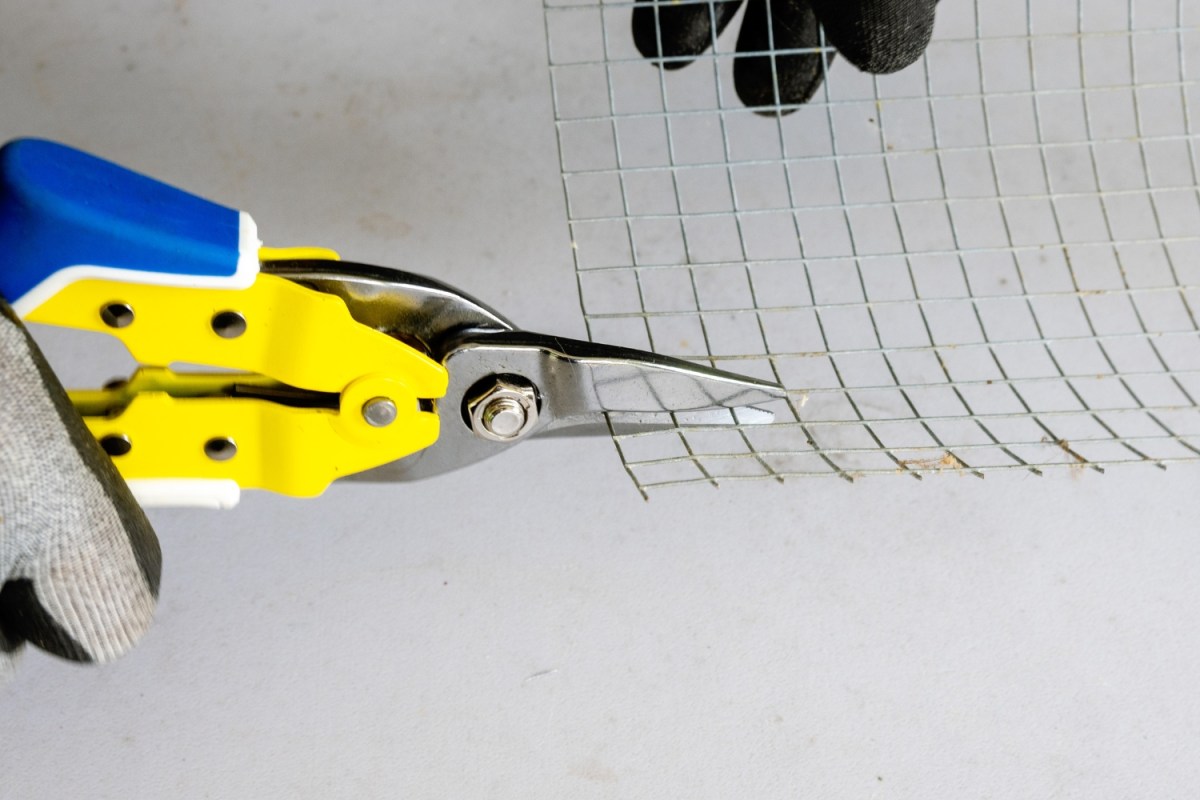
[544, 673]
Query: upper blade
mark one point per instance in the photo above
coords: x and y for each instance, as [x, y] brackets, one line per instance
[593, 378]
[577, 384]
[582, 387]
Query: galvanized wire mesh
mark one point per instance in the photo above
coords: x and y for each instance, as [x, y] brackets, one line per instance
[990, 260]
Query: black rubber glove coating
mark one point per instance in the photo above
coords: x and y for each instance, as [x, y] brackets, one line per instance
[793, 26]
[687, 29]
[877, 36]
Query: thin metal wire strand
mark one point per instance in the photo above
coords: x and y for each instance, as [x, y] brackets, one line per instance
[754, 454]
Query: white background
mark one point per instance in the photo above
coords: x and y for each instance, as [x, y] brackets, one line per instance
[530, 627]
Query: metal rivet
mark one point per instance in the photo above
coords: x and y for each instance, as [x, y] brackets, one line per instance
[228, 324]
[116, 444]
[220, 448]
[117, 315]
[379, 412]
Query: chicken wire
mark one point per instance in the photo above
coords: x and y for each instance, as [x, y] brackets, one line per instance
[986, 261]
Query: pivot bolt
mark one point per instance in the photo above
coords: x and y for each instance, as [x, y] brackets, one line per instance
[504, 417]
[504, 410]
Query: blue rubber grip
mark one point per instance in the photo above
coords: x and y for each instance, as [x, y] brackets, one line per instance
[60, 207]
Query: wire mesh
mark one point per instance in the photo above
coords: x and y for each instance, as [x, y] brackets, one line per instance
[990, 260]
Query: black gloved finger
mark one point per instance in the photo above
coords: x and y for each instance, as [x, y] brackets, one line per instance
[684, 29]
[793, 26]
[878, 36]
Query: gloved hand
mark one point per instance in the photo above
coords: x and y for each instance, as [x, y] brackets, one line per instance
[79, 563]
[876, 36]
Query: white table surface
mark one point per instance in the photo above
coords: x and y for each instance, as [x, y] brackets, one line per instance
[530, 627]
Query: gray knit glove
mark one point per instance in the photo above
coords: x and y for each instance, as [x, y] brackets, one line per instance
[79, 563]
